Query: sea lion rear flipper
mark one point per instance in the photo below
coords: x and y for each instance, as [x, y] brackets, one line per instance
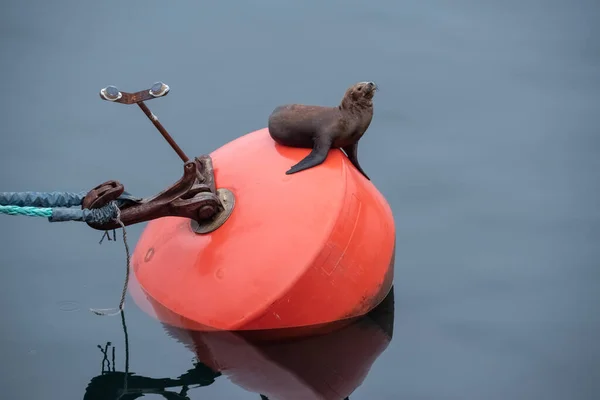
[352, 153]
[316, 156]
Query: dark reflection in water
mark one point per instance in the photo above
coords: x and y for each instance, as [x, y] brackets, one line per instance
[326, 366]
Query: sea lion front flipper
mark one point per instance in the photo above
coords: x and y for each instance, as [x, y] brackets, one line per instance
[352, 153]
[315, 157]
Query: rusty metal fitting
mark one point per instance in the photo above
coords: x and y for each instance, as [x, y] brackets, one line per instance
[193, 197]
[227, 201]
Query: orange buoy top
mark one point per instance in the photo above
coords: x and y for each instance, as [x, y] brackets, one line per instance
[302, 249]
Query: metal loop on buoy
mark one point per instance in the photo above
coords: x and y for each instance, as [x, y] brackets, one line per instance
[228, 202]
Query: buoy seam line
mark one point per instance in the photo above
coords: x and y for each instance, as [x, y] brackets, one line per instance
[318, 253]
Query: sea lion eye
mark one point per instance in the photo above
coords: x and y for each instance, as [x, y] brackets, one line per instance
[359, 89]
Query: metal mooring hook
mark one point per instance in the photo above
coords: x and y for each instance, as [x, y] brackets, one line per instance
[194, 196]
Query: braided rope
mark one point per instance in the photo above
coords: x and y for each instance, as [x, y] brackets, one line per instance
[31, 204]
[41, 199]
[27, 211]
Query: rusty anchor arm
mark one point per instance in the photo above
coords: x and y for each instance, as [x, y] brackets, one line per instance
[193, 196]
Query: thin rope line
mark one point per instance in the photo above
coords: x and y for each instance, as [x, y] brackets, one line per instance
[108, 311]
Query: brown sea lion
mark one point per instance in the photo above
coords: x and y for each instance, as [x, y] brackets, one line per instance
[322, 128]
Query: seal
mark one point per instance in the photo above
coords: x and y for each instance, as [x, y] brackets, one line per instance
[323, 128]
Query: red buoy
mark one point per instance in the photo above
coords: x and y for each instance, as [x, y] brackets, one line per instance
[298, 250]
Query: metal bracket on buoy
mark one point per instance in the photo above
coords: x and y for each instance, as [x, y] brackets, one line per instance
[194, 196]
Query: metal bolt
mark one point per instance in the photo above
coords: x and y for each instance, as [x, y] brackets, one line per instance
[159, 89]
[111, 93]
[206, 212]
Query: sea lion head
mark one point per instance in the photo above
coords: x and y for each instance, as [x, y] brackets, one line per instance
[360, 94]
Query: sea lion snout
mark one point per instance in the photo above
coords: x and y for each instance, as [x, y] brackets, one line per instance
[371, 86]
[365, 89]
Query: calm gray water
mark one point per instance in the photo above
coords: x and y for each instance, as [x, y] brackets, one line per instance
[484, 141]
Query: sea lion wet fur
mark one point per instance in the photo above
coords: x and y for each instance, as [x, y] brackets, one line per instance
[322, 128]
